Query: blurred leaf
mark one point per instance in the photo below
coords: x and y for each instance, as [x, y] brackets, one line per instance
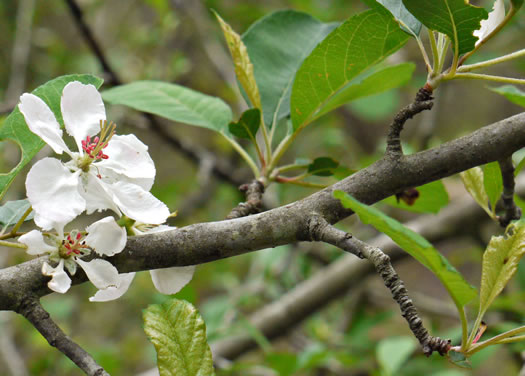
[432, 197]
[377, 107]
[12, 211]
[417, 246]
[256, 334]
[241, 62]
[512, 93]
[323, 166]
[493, 183]
[519, 166]
[314, 356]
[277, 45]
[361, 42]
[14, 128]
[458, 359]
[406, 20]
[393, 352]
[248, 124]
[455, 18]
[374, 82]
[179, 336]
[172, 102]
[517, 3]
[473, 182]
[450, 372]
[284, 363]
[500, 263]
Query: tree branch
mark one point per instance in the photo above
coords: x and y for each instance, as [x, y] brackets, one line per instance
[512, 212]
[33, 311]
[254, 192]
[205, 242]
[321, 230]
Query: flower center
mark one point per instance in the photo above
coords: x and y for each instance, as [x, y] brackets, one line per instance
[93, 148]
[73, 245]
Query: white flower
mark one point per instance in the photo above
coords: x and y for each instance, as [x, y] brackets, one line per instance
[495, 17]
[167, 280]
[108, 171]
[105, 237]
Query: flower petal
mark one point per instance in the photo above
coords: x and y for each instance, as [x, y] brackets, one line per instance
[495, 18]
[139, 204]
[100, 272]
[129, 156]
[42, 122]
[171, 280]
[106, 237]
[82, 110]
[35, 243]
[112, 293]
[97, 194]
[60, 281]
[52, 190]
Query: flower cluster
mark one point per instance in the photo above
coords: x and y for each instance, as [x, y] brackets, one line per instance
[107, 172]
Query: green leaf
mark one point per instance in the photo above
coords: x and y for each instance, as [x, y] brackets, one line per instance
[458, 359]
[241, 62]
[284, 363]
[172, 102]
[455, 18]
[247, 125]
[493, 183]
[277, 45]
[393, 352]
[179, 335]
[12, 211]
[512, 93]
[15, 129]
[323, 166]
[473, 182]
[517, 3]
[414, 244]
[361, 42]
[370, 83]
[406, 20]
[500, 263]
[432, 197]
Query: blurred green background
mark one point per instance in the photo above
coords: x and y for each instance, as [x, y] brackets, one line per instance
[180, 41]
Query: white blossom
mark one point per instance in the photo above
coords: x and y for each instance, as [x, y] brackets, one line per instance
[495, 18]
[108, 171]
[105, 237]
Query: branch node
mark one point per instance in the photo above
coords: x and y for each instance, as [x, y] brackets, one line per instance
[512, 212]
[423, 101]
[254, 192]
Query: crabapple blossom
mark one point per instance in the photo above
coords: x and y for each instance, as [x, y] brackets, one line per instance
[166, 280]
[495, 18]
[104, 237]
[108, 171]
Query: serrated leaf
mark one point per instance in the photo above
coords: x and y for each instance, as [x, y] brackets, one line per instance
[393, 352]
[418, 247]
[500, 263]
[15, 129]
[473, 182]
[11, 212]
[458, 359]
[323, 166]
[277, 45]
[241, 62]
[455, 18]
[406, 20]
[432, 197]
[493, 183]
[373, 82]
[512, 93]
[172, 102]
[179, 335]
[361, 42]
[247, 125]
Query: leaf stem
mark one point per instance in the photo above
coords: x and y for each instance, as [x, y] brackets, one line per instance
[487, 77]
[267, 140]
[488, 63]
[12, 245]
[244, 155]
[284, 180]
[500, 338]
[464, 327]
[435, 52]
[21, 220]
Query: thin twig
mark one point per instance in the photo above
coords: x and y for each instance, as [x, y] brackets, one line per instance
[512, 212]
[423, 101]
[33, 311]
[254, 192]
[321, 230]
